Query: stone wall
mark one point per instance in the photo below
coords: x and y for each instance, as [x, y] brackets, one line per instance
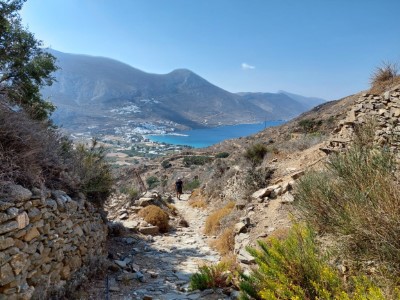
[48, 242]
[383, 109]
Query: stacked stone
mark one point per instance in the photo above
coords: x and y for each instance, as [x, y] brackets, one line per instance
[46, 240]
[383, 109]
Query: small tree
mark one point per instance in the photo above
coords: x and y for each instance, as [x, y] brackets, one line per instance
[24, 66]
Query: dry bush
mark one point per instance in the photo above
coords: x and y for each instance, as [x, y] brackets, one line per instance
[225, 243]
[155, 216]
[31, 153]
[213, 221]
[384, 77]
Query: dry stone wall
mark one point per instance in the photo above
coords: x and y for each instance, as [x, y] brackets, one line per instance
[383, 109]
[48, 242]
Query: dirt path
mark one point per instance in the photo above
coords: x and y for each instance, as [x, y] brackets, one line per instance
[166, 262]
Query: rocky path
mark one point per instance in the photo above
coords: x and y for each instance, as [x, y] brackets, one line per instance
[159, 267]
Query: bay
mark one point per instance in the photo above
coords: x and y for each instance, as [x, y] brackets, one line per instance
[200, 138]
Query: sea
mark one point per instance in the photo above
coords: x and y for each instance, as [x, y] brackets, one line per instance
[200, 138]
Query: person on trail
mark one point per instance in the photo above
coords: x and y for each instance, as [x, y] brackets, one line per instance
[178, 188]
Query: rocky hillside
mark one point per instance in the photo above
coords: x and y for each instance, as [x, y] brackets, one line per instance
[100, 91]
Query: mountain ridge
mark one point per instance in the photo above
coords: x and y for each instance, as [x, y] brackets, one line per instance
[93, 87]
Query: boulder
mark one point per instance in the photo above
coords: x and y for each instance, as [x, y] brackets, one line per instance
[261, 193]
[239, 228]
[17, 193]
[149, 230]
[245, 257]
[143, 202]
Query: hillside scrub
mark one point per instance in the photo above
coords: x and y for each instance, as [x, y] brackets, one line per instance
[357, 197]
[255, 153]
[294, 268]
[35, 155]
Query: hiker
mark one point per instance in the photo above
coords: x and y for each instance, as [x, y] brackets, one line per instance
[178, 188]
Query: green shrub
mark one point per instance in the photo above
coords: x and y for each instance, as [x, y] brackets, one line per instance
[222, 155]
[257, 178]
[194, 184]
[152, 182]
[198, 160]
[214, 276]
[166, 164]
[293, 268]
[255, 153]
[94, 172]
[310, 125]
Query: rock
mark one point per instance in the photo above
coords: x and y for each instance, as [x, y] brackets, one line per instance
[34, 214]
[17, 193]
[240, 206]
[131, 224]
[31, 234]
[4, 205]
[124, 216]
[6, 242]
[297, 175]
[6, 274]
[9, 226]
[123, 263]
[153, 274]
[245, 257]
[239, 228]
[261, 193]
[19, 262]
[139, 276]
[149, 230]
[22, 220]
[147, 297]
[114, 288]
[127, 277]
[287, 198]
[143, 202]
[245, 220]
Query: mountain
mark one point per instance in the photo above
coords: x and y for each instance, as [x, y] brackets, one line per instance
[104, 92]
[309, 102]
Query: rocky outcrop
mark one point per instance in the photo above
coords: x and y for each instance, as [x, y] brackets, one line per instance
[48, 242]
[383, 109]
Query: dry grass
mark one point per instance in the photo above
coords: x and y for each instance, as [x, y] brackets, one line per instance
[225, 243]
[384, 77]
[155, 216]
[213, 221]
[197, 200]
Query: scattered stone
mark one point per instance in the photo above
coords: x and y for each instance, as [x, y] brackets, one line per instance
[123, 263]
[287, 198]
[149, 230]
[240, 227]
[245, 257]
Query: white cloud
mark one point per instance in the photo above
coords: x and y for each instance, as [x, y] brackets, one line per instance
[247, 67]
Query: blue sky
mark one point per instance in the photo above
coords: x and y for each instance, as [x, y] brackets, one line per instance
[324, 48]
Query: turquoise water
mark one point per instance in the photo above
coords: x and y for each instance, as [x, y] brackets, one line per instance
[199, 138]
